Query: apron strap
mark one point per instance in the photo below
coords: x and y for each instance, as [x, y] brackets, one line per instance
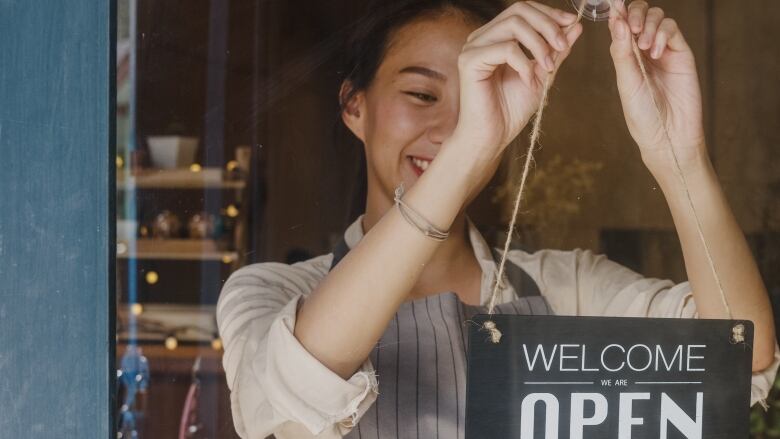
[339, 252]
[522, 282]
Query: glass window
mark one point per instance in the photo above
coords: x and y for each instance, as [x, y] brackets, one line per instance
[258, 142]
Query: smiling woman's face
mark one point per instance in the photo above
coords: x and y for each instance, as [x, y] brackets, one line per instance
[411, 106]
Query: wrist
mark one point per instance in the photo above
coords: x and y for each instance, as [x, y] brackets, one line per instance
[692, 168]
[442, 190]
[663, 165]
[468, 158]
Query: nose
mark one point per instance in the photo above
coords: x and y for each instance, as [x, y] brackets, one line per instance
[443, 123]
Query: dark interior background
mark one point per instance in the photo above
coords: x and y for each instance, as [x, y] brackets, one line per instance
[264, 73]
[275, 64]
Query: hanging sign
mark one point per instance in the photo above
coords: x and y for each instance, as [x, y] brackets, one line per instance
[604, 378]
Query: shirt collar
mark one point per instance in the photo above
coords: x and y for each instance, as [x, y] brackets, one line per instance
[354, 234]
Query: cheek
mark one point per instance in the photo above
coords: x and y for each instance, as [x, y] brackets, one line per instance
[394, 125]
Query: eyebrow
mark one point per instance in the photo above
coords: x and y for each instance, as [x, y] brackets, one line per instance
[433, 74]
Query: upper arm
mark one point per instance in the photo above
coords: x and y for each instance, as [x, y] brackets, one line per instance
[581, 282]
[276, 385]
[611, 289]
[252, 296]
[249, 302]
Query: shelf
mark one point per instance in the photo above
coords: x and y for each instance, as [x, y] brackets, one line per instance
[178, 249]
[207, 178]
[172, 316]
[178, 361]
[192, 343]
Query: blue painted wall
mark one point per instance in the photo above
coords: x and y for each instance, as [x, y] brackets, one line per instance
[56, 278]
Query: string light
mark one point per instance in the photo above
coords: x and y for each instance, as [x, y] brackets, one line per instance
[231, 211]
[195, 167]
[152, 277]
[120, 162]
[216, 344]
[136, 309]
[171, 342]
[226, 259]
[231, 165]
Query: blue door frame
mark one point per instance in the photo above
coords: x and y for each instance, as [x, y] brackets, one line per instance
[56, 224]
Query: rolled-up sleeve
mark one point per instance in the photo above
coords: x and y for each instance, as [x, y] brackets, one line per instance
[580, 282]
[277, 387]
[622, 292]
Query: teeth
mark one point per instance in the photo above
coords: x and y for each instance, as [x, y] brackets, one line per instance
[422, 164]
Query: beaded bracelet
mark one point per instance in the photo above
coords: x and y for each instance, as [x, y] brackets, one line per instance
[415, 219]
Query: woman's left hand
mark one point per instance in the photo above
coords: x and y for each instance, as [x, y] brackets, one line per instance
[673, 79]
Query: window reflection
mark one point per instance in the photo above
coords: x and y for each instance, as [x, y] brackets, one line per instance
[228, 154]
[183, 197]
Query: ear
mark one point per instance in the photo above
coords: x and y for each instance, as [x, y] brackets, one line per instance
[353, 110]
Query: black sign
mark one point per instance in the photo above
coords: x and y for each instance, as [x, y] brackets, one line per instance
[604, 378]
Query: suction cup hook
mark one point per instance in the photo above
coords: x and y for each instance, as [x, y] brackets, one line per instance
[594, 10]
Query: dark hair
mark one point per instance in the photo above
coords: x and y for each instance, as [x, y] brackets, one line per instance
[366, 46]
[368, 42]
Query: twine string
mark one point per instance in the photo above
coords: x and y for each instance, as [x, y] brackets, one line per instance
[681, 177]
[678, 170]
[489, 325]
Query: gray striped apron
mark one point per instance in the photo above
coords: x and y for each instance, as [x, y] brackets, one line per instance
[421, 361]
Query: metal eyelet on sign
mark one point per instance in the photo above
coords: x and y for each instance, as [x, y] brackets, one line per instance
[738, 333]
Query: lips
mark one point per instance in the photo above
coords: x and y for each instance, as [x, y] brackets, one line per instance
[419, 164]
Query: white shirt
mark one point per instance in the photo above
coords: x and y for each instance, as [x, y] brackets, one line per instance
[278, 387]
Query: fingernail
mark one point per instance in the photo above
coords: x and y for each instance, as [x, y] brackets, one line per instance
[620, 30]
[562, 43]
[567, 14]
[656, 52]
[548, 61]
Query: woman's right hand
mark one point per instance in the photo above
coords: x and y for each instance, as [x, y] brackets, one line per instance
[366, 288]
[500, 86]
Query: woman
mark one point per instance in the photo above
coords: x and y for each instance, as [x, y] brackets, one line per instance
[435, 91]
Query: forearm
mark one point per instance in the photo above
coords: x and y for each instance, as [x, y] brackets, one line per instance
[739, 276]
[342, 319]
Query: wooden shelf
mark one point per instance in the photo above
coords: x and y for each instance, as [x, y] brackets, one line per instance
[207, 178]
[177, 249]
[177, 361]
[171, 316]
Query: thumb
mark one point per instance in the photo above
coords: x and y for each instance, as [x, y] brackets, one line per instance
[629, 76]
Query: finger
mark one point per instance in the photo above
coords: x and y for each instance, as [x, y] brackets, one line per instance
[652, 21]
[545, 25]
[479, 63]
[617, 9]
[636, 15]
[563, 18]
[581, 6]
[572, 34]
[521, 9]
[629, 76]
[668, 35]
[619, 30]
[516, 28]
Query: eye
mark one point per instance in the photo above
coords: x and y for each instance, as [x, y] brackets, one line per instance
[424, 97]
